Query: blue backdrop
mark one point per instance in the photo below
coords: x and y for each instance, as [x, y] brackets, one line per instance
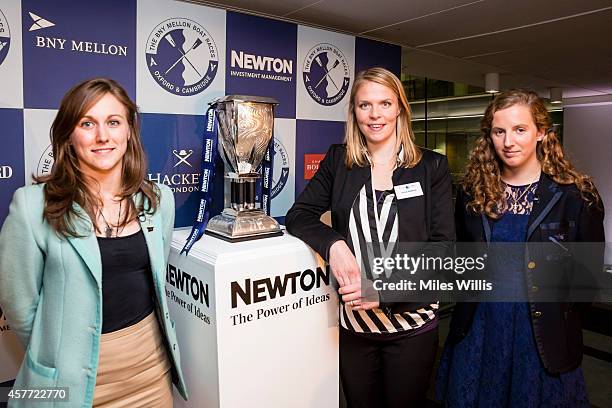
[48, 47]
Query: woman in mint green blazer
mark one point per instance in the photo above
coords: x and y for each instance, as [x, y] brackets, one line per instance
[83, 256]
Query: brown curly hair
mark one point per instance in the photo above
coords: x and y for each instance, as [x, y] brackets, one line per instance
[482, 180]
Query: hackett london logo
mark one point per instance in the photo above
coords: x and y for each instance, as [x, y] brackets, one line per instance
[5, 37]
[179, 182]
[326, 74]
[182, 56]
[73, 45]
[182, 156]
[280, 174]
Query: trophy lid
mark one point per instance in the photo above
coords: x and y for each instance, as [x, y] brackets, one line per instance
[245, 98]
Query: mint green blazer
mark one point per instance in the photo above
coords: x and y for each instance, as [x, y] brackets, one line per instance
[51, 293]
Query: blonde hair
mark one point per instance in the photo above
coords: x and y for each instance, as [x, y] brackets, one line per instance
[355, 141]
[482, 180]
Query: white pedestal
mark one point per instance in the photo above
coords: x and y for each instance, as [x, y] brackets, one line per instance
[256, 321]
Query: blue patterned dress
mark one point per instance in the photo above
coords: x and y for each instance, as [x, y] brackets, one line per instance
[497, 364]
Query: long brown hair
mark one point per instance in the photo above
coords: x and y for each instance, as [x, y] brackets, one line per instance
[355, 141]
[67, 184]
[482, 180]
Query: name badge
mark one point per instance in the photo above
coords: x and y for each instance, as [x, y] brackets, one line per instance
[408, 190]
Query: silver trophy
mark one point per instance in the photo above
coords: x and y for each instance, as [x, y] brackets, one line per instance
[246, 125]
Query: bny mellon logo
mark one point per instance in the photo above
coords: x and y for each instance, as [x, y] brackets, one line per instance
[39, 22]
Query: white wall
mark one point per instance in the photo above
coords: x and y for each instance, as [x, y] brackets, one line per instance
[587, 138]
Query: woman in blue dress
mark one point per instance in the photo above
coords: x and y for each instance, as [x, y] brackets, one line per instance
[519, 187]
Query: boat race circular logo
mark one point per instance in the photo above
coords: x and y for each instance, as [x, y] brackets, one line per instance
[182, 56]
[326, 74]
[280, 174]
[5, 37]
[45, 163]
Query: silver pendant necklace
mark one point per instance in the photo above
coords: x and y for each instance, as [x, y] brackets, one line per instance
[108, 229]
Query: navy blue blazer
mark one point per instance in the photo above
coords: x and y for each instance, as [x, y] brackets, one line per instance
[558, 211]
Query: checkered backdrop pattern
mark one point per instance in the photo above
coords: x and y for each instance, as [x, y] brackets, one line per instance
[174, 58]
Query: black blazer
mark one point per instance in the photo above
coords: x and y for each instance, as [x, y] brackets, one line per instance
[426, 218]
[559, 211]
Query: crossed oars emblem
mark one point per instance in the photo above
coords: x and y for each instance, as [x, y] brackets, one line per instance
[327, 72]
[195, 45]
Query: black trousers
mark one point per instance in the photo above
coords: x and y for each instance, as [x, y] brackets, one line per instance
[386, 371]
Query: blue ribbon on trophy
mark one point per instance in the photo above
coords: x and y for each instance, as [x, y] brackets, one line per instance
[209, 157]
[267, 167]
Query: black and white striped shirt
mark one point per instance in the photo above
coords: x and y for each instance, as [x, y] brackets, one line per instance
[373, 232]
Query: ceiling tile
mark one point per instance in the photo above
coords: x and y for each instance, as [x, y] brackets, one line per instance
[481, 18]
[361, 16]
[269, 7]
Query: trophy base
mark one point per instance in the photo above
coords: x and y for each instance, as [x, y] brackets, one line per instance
[247, 225]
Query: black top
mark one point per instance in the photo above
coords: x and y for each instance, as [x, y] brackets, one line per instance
[429, 217]
[425, 218]
[376, 222]
[127, 283]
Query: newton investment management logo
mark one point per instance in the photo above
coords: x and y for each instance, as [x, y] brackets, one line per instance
[260, 67]
[182, 56]
[5, 37]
